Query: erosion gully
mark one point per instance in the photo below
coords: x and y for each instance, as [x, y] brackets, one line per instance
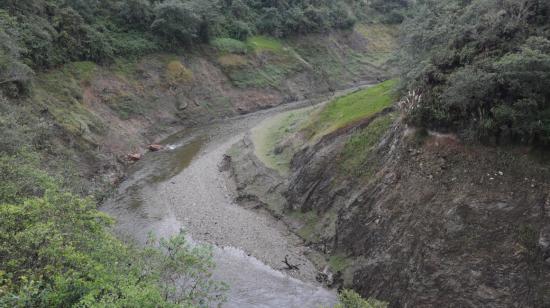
[182, 188]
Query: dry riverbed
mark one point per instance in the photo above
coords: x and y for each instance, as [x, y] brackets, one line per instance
[183, 187]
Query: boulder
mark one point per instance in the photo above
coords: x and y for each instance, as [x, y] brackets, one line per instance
[155, 147]
[134, 157]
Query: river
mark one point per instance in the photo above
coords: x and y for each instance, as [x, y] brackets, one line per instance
[182, 187]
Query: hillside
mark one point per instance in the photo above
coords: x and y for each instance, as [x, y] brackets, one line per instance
[411, 217]
[114, 110]
[289, 153]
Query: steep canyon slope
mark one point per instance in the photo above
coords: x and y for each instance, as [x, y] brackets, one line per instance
[411, 217]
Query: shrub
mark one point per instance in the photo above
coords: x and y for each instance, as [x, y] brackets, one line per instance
[21, 178]
[57, 250]
[350, 299]
[176, 72]
[229, 45]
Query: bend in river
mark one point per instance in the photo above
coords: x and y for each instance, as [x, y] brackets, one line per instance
[183, 188]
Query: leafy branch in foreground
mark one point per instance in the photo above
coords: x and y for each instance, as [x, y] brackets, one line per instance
[56, 250]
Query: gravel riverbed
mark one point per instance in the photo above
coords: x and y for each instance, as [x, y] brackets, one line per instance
[182, 187]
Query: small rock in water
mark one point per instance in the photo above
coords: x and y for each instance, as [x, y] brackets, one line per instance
[134, 157]
[155, 147]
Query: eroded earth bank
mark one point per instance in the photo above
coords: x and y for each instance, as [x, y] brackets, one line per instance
[415, 218]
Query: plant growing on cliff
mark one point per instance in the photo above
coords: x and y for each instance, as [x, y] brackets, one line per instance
[350, 299]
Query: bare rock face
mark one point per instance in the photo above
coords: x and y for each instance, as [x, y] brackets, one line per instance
[439, 223]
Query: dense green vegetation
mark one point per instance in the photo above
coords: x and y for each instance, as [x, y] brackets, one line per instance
[482, 66]
[56, 251]
[41, 34]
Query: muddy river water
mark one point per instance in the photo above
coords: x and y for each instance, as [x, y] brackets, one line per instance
[182, 187]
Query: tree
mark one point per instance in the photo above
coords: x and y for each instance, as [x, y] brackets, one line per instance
[138, 14]
[15, 76]
[176, 21]
[57, 251]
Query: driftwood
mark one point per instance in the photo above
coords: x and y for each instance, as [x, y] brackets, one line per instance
[289, 266]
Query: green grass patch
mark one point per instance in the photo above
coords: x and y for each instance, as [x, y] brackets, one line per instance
[269, 136]
[350, 108]
[264, 43]
[360, 146]
[83, 71]
[229, 45]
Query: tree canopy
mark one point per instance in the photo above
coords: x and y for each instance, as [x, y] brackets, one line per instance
[482, 66]
[56, 250]
[42, 34]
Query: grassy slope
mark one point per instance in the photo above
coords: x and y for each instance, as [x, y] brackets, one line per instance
[381, 40]
[360, 146]
[248, 67]
[264, 43]
[267, 62]
[348, 109]
[276, 140]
